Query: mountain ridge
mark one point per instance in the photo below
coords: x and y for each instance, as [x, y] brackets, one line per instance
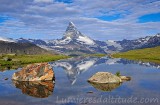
[21, 48]
[74, 42]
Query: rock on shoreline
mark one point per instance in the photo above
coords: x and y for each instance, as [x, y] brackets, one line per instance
[35, 72]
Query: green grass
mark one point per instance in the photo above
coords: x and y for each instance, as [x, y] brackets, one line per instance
[28, 59]
[118, 73]
[145, 55]
[95, 55]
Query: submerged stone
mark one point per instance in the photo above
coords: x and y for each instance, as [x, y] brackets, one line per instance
[6, 79]
[35, 72]
[125, 78]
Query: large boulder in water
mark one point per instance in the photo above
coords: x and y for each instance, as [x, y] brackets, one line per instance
[35, 72]
[104, 77]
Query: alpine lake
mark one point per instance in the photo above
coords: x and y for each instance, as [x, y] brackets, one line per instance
[71, 86]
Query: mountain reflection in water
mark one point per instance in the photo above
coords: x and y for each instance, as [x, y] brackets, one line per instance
[75, 66]
[104, 86]
[39, 89]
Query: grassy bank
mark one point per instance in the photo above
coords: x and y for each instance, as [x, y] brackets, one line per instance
[95, 55]
[145, 55]
[10, 60]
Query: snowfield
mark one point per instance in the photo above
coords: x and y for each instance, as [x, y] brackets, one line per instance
[85, 40]
[64, 41]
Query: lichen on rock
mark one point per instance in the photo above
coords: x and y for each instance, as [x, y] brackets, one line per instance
[35, 72]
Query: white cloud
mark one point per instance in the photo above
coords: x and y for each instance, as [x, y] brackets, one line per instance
[49, 19]
[43, 1]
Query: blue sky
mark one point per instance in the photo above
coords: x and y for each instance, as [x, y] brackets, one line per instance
[98, 19]
[155, 17]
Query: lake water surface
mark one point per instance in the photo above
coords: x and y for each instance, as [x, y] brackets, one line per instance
[71, 86]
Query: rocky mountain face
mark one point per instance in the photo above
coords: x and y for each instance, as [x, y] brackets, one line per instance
[75, 43]
[20, 48]
[146, 42]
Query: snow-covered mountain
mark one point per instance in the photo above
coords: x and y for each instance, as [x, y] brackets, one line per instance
[146, 42]
[6, 39]
[75, 43]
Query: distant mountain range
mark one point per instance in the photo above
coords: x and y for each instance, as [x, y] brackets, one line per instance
[146, 42]
[20, 48]
[75, 43]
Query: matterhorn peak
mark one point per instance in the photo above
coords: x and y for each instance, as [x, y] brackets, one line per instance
[71, 27]
[71, 24]
[72, 31]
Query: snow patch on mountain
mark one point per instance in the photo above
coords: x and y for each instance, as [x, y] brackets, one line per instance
[6, 39]
[63, 41]
[45, 47]
[85, 40]
[158, 35]
[143, 40]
